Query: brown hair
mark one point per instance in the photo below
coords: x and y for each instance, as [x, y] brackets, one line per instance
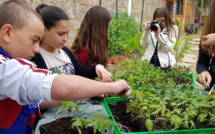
[16, 13]
[163, 12]
[93, 34]
[209, 27]
[51, 15]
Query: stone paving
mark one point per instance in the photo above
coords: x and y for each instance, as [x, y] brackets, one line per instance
[191, 56]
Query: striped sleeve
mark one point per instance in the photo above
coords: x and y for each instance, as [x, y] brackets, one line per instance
[21, 81]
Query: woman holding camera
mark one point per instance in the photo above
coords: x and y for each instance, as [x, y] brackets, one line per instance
[159, 38]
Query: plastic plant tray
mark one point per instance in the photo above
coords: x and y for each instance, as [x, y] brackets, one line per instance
[110, 100]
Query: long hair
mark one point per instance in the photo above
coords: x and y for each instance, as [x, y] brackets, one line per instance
[209, 27]
[93, 34]
[163, 12]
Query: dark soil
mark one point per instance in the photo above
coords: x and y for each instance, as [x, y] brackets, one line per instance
[62, 126]
[127, 123]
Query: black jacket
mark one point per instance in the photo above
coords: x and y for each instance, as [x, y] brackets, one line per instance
[206, 63]
[88, 72]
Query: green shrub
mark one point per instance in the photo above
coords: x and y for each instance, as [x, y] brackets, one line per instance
[176, 22]
[120, 29]
[131, 46]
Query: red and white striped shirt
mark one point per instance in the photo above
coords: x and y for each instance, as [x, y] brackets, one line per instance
[22, 82]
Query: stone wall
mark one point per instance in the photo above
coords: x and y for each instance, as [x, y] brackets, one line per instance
[76, 9]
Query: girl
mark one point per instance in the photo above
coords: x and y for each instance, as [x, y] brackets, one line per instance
[206, 61]
[54, 56]
[91, 43]
[159, 39]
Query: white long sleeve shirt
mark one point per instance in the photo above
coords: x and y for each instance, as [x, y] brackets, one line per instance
[165, 46]
[22, 82]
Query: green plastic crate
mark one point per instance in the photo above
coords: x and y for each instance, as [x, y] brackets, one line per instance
[109, 100]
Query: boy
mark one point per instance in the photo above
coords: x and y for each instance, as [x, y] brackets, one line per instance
[22, 85]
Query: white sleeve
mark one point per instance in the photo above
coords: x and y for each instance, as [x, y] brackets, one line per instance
[20, 81]
[164, 40]
[144, 39]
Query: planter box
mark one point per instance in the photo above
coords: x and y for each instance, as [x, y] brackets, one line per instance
[110, 100]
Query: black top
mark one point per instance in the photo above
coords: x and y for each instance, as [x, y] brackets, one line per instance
[206, 63]
[88, 72]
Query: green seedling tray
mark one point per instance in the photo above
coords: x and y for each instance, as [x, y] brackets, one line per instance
[110, 100]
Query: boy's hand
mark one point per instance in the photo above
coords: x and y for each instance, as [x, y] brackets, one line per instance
[205, 79]
[122, 89]
[103, 73]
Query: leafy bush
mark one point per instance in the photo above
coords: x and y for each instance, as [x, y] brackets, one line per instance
[120, 29]
[176, 22]
[132, 48]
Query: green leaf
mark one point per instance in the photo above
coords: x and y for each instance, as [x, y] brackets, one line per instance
[77, 123]
[156, 111]
[175, 121]
[192, 124]
[149, 125]
[142, 109]
[202, 117]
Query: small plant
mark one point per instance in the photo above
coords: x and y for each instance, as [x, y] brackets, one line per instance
[180, 109]
[97, 122]
[177, 44]
[68, 107]
[142, 74]
[186, 47]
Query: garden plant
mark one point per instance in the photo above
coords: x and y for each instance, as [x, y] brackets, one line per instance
[96, 124]
[142, 74]
[164, 102]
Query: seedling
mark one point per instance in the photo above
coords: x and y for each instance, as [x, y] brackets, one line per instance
[98, 122]
[68, 107]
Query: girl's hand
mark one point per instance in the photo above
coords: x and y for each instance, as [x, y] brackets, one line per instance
[158, 30]
[208, 39]
[205, 79]
[147, 26]
[103, 73]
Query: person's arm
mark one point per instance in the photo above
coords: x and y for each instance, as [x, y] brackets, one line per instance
[144, 39]
[77, 88]
[22, 82]
[202, 66]
[164, 41]
[202, 62]
[208, 39]
[49, 104]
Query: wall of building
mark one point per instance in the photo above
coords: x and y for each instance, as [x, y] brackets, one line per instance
[76, 9]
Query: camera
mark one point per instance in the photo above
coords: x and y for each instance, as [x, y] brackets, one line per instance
[153, 27]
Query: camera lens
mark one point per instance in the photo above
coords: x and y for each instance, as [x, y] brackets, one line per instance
[153, 27]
